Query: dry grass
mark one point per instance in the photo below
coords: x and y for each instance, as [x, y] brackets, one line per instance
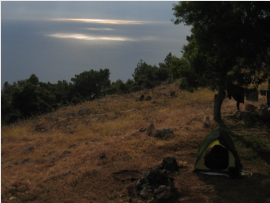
[101, 143]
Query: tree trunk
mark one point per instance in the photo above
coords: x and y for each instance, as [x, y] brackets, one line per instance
[217, 104]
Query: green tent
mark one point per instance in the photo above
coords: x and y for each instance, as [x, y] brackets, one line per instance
[218, 156]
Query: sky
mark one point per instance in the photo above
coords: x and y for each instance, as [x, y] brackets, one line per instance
[56, 40]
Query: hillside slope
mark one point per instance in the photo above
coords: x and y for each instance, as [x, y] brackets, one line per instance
[70, 155]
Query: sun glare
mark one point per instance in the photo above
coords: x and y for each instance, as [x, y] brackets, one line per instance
[89, 37]
[104, 21]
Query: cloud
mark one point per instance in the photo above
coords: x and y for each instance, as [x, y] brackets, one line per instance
[103, 21]
[89, 37]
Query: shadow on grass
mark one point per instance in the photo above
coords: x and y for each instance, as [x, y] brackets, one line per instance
[256, 147]
[243, 190]
[263, 153]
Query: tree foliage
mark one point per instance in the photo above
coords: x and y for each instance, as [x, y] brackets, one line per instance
[90, 84]
[229, 44]
[30, 99]
[147, 76]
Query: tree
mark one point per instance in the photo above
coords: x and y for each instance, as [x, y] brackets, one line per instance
[7, 88]
[168, 59]
[90, 84]
[29, 98]
[131, 85]
[174, 70]
[6, 107]
[33, 79]
[229, 44]
[145, 75]
[25, 99]
[77, 99]
[120, 86]
[163, 70]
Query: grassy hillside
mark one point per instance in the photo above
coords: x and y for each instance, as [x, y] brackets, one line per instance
[69, 155]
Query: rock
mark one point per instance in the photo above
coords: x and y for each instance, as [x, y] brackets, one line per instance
[163, 132]
[12, 198]
[160, 189]
[150, 130]
[131, 110]
[135, 134]
[66, 152]
[141, 130]
[26, 161]
[250, 107]
[170, 164]
[28, 149]
[164, 195]
[72, 145]
[145, 193]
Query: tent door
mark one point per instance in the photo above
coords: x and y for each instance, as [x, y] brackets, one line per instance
[217, 158]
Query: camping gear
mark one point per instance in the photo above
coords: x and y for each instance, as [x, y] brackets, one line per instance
[263, 92]
[218, 156]
[252, 94]
[238, 93]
